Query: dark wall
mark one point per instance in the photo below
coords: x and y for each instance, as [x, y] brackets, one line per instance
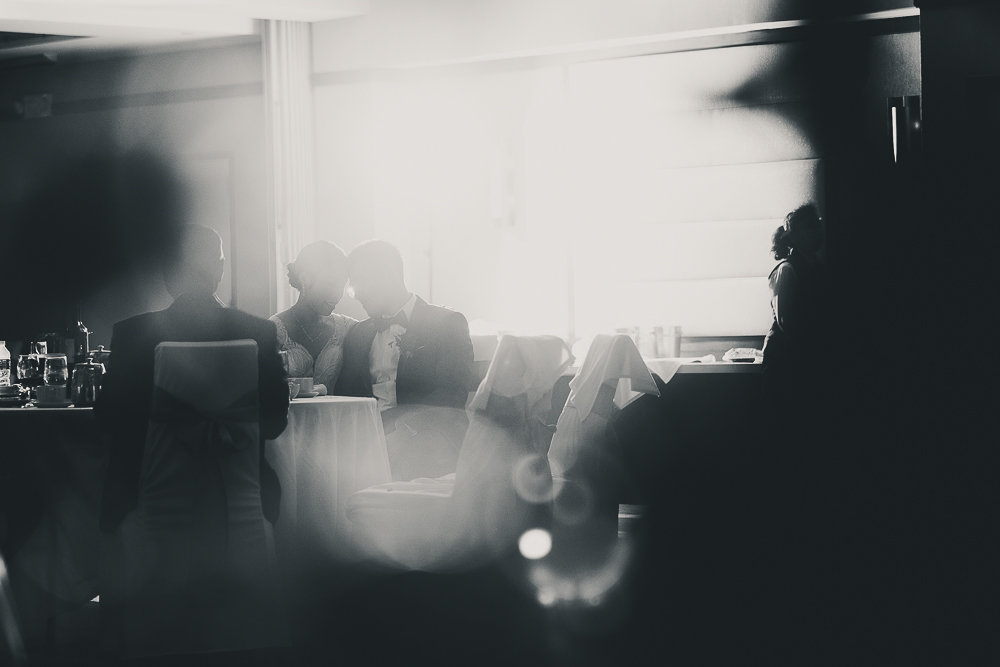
[957, 236]
[133, 147]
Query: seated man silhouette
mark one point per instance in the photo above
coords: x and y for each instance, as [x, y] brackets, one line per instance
[414, 358]
[197, 315]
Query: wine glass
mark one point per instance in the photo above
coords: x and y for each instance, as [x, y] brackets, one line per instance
[56, 369]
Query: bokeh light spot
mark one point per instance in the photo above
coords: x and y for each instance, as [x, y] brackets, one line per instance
[535, 543]
[547, 597]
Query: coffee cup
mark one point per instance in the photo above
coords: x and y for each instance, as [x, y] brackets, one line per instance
[305, 384]
[293, 389]
[51, 393]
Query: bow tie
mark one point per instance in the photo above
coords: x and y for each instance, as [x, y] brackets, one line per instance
[382, 322]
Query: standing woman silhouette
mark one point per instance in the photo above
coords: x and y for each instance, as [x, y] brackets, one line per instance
[798, 283]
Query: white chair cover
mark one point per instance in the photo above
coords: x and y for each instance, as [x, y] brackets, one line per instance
[473, 514]
[527, 365]
[201, 570]
[610, 359]
[586, 468]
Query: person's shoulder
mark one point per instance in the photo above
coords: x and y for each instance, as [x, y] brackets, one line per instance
[278, 320]
[441, 313]
[135, 325]
[783, 271]
[782, 267]
[355, 329]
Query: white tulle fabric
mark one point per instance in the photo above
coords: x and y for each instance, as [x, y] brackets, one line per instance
[462, 519]
[192, 590]
[325, 369]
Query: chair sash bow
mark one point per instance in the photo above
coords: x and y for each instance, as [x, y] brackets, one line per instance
[224, 431]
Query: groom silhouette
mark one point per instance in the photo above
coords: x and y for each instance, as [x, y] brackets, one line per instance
[414, 358]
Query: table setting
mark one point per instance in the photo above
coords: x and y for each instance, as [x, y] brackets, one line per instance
[48, 381]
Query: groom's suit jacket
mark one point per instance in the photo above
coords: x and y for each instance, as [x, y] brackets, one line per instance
[435, 361]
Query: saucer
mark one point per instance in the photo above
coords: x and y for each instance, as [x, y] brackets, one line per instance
[62, 403]
[307, 394]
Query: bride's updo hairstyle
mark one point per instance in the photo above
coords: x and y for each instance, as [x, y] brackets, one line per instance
[315, 258]
[804, 219]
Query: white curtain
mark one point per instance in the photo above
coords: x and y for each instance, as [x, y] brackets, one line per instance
[291, 170]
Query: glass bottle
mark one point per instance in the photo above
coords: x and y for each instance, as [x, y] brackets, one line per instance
[81, 338]
[4, 364]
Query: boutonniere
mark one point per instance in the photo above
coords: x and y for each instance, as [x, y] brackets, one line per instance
[407, 345]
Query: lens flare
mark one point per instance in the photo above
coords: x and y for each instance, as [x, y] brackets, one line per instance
[535, 543]
[532, 479]
[574, 504]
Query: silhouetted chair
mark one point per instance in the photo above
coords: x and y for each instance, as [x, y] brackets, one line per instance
[200, 573]
[501, 485]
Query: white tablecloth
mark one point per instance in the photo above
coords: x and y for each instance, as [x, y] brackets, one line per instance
[333, 446]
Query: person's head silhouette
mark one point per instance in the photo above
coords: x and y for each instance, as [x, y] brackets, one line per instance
[801, 232]
[197, 264]
[376, 270]
[319, 273]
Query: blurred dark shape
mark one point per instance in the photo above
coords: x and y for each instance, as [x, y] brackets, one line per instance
[87, 222]
[123, 406]
[197, 572]
[11, 642]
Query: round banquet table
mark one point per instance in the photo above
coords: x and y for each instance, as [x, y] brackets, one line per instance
[332, 447]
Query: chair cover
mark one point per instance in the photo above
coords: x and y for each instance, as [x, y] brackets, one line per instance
[502, 476]
[584, 457]
[612, 359]
[201, 570]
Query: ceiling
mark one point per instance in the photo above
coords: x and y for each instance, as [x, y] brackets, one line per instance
[50, 29]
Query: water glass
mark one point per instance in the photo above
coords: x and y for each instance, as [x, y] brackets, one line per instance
[56, 369]
[27, 369]
[41, 350]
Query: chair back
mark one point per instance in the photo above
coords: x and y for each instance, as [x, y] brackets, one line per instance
[584, 456]
[502, 474]
[610, 362]
[203, 562]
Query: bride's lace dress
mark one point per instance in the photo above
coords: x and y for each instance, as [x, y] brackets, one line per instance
[324, 369]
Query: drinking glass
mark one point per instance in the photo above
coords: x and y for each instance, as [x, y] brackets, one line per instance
[56, 370]
[27, 369]
[41, 351]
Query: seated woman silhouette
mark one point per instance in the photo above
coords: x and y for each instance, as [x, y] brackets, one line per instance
[798, 287]
[310, 332]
